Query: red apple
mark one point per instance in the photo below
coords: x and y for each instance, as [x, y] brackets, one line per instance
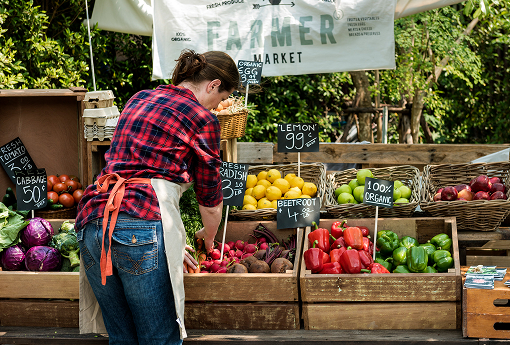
[449, 193]
[462, 199]
[465, 194]
[460, 187]
[439, 190]
[481, 183]
[481, 195]
[495, 179]
[498, 195]
[437, 197]
[497, 187]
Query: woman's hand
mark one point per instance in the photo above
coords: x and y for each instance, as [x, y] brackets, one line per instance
[189, 259]
[208, 239]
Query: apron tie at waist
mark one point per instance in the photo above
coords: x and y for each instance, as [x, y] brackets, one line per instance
[113, 206]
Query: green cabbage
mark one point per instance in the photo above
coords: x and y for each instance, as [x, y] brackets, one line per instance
[11, 223]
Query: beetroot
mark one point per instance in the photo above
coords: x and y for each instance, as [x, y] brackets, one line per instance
[259, 266]
[281, 265]
[237, 268]
[248, 261]
[260, 254]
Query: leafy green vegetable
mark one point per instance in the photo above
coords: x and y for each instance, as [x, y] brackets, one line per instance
[11, 224]
[68, 247]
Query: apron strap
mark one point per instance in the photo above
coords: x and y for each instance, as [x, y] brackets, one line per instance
[112, 205]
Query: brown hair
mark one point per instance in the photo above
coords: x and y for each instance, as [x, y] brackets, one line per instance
[196, 68]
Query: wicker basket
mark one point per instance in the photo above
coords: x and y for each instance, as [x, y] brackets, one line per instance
[233, 125]
[408, 175]
[65, 213]
[314, 172]
[478, 215]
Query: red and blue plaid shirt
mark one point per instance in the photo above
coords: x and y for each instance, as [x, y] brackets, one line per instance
[163, 133]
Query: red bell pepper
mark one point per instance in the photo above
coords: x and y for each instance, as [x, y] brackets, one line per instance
[314, 258]
[377, 268]
[365, 258]
[350, 261]
[337, 229]
[353, 237]
[335, 254]
[332, 268]
[368, 245]
[325, 258]
[364, 230]
[337, 242]
[320, 235]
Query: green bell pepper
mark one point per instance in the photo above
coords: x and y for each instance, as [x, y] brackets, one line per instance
[441, 241]
[429, 269]
[408, 242]
[400, 256]
[443, 260]
[430, 249]
[401, 269]
[385, 262]
[417, 259]
[387, 241]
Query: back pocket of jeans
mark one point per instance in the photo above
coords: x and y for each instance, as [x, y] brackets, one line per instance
[135, 248]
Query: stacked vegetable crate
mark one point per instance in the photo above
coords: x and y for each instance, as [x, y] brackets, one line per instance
[246, 301]
[39, 299]
[385, 301]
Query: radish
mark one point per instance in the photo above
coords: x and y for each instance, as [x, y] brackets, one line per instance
[239, 253]
[250, 248]
[226, 247]
[231, 253]
[263, 246]
[215, 267]
[261, 240]
[215, 254]
[239, 244]
[245, 255]
[231, 244]
[224, 263]
[222, 270]
[235, 259]
[206, 265]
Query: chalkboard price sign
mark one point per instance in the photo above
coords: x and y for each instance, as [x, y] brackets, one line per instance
[249, 71]
[298, 137]
[14, 157]
[31, 189]
[378, 192]
[297, 213]
[233, 182]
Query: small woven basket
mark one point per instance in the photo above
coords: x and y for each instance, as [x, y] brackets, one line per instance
[408, 175]
[477, 215]
[65, 213]
[314, 172]
[233, 125]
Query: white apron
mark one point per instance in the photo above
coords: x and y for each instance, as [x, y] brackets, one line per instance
[174, 234]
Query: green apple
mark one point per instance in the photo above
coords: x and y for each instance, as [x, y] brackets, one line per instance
[358, 193]
[402, 201]
[355, 202]
[343, 189]
[397, 184]
[405, 192]
[345, 198]
[353, 183]
[396, 193]
[362, 174]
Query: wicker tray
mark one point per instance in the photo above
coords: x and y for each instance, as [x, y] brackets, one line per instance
[314, 172]
[65, 213]
[408, 175]
[478, 215]
[233, 125]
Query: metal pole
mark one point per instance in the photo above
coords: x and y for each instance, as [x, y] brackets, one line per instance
[90, 46]
[385, 125]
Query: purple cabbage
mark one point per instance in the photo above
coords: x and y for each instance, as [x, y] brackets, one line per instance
[13, 258]
[42, 258]
[37, 233]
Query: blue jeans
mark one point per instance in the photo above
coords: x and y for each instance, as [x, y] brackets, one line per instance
[137, 301]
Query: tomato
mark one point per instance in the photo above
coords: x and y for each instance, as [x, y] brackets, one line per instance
[53, 196]
[72, 185]
[80, 185]
[59, 187]
[66, 199]
[63, 178]
[77, 195]
[74, 178]
[53, 179]
[49, 185]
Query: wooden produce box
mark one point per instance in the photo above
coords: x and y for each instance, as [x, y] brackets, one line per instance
[245, 301]
[39, 299]
[372, 301]
[492, 253]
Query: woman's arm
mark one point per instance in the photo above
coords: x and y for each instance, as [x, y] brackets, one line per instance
[211, 218]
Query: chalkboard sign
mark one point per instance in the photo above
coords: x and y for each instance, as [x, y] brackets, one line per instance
[14, 157]
[249, 71]
[233, 182]
[378, 192]
[298, 137]
[31, 189]
[297, 213]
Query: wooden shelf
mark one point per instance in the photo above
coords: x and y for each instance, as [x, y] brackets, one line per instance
[95, 151]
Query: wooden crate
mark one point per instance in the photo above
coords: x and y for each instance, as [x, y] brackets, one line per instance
[492, 253]
[380, 296]
[245, 300]
[486, 313]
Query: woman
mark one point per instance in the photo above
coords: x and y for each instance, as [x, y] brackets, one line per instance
[165, 139]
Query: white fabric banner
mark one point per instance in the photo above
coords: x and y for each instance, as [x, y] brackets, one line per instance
[290, 37]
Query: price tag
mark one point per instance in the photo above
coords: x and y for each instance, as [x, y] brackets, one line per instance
[249, 71]
[298, 137]
[31, 189]
[14, 157]
[233, 182]
[378, 192]
[297, 213]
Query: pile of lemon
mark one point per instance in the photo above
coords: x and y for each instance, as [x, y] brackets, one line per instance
[264, 189]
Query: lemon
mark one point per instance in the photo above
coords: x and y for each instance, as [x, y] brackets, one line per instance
[249, 207]
[274, 204]
[249, 200]
[264, 183]
[282, 185]
[273, 193]
[272, 175]
[249, 191]
[264, 203]
[292, 194]
[297, 190]
[297, 182]
[259, 191]
[309, 188]
[305, 196]
[289, 177]
[251, 181]
[262, 175]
